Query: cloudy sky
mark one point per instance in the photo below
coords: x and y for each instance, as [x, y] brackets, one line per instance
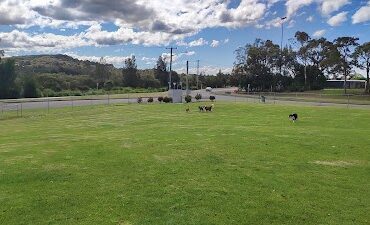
[208, 30]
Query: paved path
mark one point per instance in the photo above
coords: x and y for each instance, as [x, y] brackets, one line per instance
[218, 93]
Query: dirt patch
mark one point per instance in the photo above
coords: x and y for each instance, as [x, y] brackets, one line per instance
[336, 163]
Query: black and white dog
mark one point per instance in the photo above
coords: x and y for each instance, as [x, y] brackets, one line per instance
[293, 117]
[205, 108]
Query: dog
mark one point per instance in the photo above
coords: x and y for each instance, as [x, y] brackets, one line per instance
[202, 108]
[293, 117]
[209, 108]
[205, 108]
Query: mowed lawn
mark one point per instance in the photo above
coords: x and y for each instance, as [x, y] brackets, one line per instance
[157, 164]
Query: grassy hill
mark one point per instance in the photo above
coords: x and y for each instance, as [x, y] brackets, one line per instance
[55, 64]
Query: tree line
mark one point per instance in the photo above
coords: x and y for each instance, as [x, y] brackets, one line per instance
[305, 64]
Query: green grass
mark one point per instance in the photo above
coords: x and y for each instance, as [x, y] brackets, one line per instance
[157, 164]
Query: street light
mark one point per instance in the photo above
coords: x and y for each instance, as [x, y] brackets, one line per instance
[282, 39]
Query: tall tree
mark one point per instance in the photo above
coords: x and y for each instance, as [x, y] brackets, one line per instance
[8, 87]
[101, 72]
[345, 47]
[303, 39]
[362, 59]
[161, 72]
[129, 72]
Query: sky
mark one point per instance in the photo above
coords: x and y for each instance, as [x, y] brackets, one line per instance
[205, 30]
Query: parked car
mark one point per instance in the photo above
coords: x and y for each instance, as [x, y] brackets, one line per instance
[209, 89]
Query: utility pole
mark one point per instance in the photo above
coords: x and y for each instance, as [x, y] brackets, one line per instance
[198, 74]
[187, 77]
[170, 75]
[281, 44]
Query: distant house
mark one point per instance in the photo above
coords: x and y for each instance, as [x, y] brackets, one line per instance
[351, 84]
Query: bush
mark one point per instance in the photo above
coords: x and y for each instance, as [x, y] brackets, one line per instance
[150, 100]
[198, 97]
[212, 98]
[30, 88]
[167, 100]
[108, 85]
[188, 99]
[160, 99]
[139, 100]
[49, 93]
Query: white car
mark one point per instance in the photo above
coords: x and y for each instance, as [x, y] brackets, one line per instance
[209, 89]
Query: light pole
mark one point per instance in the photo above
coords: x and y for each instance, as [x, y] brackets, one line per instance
[281, 43]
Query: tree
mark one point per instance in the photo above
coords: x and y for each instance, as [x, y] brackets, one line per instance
[30, 88]
[346, 60]
[160, 72]
[101, 72]
[303, 38]
[2, 53]
[362, 60]
[8, 87]
[129, 72]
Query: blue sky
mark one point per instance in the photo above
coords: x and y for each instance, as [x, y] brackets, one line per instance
[205, 30]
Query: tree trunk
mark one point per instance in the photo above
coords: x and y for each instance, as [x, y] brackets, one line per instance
[305, 76]
[367, 80]
[345, 81]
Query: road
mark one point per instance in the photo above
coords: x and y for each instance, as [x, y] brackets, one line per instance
[218, 93]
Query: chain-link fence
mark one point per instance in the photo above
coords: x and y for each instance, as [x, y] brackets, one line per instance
[349, 100]
[24, 107]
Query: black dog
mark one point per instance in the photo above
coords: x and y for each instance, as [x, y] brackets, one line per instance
[293, 117]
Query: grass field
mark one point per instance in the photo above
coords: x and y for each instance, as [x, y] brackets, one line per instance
[156, 164]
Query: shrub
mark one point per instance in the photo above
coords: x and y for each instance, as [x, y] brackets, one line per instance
[167, 100]
[108, 85]
[139, 100]
[198, 97]
[188, 98]
[49, 93]
[212, 98]
[30, 88]
[160, 99]
[150, 100]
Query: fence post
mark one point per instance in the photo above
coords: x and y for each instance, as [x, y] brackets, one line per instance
[72, 102]
[17, 110]
[21, 109]
[348, 101]
[108, 99]
[48, 105]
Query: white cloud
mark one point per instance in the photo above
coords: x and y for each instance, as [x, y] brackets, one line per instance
[326, 7]
[215, 44]
[330, 6]
[310, 19]
[117, 61]
[21, 41]
[362, 15]
[226, 40]
[319, 33]
[338, 19]
[146, 22]
[199, 42]
[294, 5]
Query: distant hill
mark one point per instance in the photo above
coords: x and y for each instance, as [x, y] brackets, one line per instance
[55, 64]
